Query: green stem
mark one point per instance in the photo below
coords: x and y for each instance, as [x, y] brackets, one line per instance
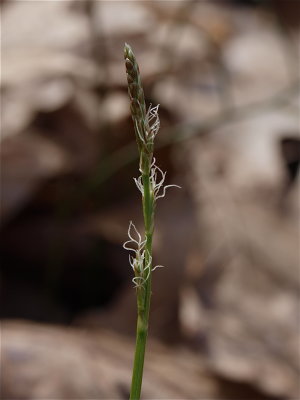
[143, 294]
[138, 365]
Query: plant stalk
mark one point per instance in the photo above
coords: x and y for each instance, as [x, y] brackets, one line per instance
[143, 294]
[146, 125]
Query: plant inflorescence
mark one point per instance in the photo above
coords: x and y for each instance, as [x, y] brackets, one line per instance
[151, 185]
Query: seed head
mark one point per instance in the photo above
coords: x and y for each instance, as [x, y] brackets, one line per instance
[136, 95]
[146, 123]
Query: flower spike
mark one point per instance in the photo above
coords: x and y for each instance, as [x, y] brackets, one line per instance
[151, 185]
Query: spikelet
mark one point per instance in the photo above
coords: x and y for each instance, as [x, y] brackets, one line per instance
[146, 123]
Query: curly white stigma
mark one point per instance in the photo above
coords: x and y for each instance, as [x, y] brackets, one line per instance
[140, 265]
[153, 121]
[152, 125]
[157, 179]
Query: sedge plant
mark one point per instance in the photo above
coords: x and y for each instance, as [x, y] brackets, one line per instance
[151, 185]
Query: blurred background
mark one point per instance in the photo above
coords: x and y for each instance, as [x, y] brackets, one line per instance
[225, 309]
